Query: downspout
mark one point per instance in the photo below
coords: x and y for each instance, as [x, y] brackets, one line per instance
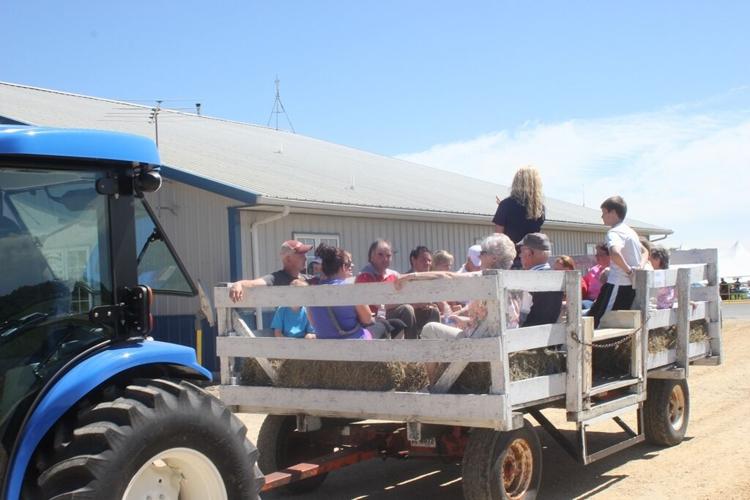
[256, 254]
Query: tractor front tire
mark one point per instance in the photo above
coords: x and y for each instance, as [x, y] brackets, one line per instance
[158, 439]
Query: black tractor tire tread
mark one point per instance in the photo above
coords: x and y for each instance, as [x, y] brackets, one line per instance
[83, 466]
[656, 425]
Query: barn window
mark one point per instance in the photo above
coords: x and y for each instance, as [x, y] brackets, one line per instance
[316, 239]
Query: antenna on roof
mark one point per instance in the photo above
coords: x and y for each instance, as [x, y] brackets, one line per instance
[278, 108]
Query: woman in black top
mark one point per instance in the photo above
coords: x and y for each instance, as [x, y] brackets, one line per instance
[522, 212]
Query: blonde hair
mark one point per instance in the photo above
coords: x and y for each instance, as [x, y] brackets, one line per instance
[527, 190]
[442, 257]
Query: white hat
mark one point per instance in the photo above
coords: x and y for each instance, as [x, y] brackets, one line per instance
[473, 254]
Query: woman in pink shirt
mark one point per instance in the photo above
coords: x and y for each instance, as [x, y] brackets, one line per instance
[595, 277]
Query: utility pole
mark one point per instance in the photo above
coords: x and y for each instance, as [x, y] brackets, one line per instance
[278, 108]
[154, 118]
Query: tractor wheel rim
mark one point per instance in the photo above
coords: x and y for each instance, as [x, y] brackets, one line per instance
[676, 407]
[517, 469]
[177, 473]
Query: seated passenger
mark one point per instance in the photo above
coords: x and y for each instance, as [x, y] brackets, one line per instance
[344, 322]
[442, 260]
[596, 276]
[292, 321]
[421, 262]
[545, 306]
[497, 252]
[659, 259]
[378, 270]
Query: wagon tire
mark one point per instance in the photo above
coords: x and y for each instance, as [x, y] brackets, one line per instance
[502, 465]
[153, 437]
[666, 411]
[280, 445]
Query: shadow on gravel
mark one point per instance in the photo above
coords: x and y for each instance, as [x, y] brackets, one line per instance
[562, 477]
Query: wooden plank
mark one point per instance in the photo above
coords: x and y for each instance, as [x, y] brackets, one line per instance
[531, 337]
[683, 318]
[418, 351]
[548, 281]
[668, 373]
[694, 256]
[713, 314]
[709, 361]
[463, 289]
[606, 410]
[497, 321]
[241, 328]
[587, 367]
[621, 319]
[696, 349]
[485, 410]
[225, 363]
[449, 377]
[537, 388]
[704, 293]
[643, 283]
[661, 358]
[611, 386]
[601, 334]
[662, 318]
[574, 327]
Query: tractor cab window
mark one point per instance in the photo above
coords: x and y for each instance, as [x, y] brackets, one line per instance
[158, 265]
[54, 245]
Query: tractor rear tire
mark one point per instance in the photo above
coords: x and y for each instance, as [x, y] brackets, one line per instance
[666, 411]
[158, 439]
[280, 445]
[502, 465]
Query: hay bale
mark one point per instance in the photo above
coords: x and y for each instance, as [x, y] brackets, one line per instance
[415, 378]
[475, 379]
[250, 372]
[343, 375]
[616, 360]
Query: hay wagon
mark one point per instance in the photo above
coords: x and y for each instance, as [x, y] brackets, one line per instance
[310, 432]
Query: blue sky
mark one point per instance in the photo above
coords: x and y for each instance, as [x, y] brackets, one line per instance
[597, 94]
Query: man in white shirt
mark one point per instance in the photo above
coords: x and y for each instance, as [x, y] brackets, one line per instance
[625, 256]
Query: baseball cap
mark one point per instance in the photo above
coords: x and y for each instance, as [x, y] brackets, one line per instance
[293, 246]
[536, 241]
[473, 254]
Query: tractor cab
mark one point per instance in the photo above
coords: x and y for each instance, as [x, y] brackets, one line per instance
[80, 255]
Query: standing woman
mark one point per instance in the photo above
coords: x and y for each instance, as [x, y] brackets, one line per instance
[522, 212]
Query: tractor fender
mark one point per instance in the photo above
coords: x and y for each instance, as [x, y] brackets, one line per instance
[81, 380]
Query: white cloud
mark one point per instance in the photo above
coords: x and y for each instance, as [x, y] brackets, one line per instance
[686, 168]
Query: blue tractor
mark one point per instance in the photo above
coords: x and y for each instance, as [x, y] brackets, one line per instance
[90, 406]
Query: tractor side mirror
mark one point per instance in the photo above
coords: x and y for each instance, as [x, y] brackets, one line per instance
[133, 313]
[138, 318]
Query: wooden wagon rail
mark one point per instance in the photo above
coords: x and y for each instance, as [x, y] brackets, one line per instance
[500, 408]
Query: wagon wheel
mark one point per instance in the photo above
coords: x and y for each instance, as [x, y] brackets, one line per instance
[280, 446]
[666, 411]
[502, 465]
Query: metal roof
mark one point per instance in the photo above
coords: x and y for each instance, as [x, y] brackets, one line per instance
[277, 167]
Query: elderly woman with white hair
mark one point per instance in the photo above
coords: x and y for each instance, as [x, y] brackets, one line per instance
[498, 252]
